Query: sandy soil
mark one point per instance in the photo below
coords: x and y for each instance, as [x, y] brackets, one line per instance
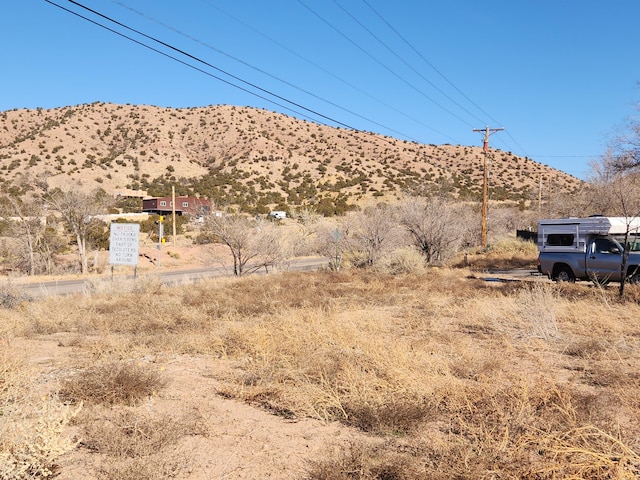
[242, 441]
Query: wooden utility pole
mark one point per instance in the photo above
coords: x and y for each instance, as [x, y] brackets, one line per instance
[485, 178]
[173, 212]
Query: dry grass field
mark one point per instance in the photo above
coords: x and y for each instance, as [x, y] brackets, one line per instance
[349, 375]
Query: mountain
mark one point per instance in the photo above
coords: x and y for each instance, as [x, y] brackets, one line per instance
[249, 157]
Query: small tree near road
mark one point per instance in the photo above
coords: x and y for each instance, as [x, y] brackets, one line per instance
[27, 226]
[372, 233]
[253, 243]
[434, 225]
[77, 209]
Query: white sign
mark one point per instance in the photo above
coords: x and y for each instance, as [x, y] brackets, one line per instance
[123, 244]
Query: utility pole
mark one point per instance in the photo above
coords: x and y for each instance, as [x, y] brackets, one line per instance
[485, 178]
[173, 212]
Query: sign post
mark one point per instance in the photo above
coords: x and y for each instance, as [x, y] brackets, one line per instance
[123, 245]
[337, 235]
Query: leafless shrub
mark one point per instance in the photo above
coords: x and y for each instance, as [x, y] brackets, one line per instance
[399, 261]
[387, 416]
[254, 244]
[12, 295]
[137, 446]
[536, 307]
[126, 434]
[434, 226]
[389, 460]
[112, 383]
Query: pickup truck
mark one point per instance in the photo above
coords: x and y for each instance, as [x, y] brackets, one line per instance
[602, 262]
[588, 249]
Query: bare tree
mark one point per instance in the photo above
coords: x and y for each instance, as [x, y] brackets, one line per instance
[616, 187]
[434, 226]
[624, 154]
[28, 226]
[253, 243]
[77, 209]
[372, 232]
[308, 223]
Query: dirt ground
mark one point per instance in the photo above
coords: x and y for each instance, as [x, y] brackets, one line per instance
[241, 441]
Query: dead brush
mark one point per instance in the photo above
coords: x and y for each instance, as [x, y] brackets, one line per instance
[12, 295]
[503, 254]
[127, 434]
[588, 452]
[139, 446]
[157, 467]
[30, 428]
[389, 460]
[536, 307]
[115, 383]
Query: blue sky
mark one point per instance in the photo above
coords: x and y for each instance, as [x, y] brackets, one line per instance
[560, 76]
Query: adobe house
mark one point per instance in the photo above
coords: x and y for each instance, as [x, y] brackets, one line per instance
[184, 206]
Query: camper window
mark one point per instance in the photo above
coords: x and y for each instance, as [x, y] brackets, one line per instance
[560, 239]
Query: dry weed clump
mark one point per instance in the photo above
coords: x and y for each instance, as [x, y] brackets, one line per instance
[138, 446]
[536, 307]
[454, 375]
[127, 434]
[31, 427]
[114, 383]
[503, 254]
[401, 261]
[32, 438]
[12, 295]
[390, 460]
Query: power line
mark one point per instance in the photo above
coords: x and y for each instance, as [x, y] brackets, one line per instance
[427, 61]
[328, 72]
[395, 74]
[393, 52]
[444, 77]
[196, 59]
[253, 67]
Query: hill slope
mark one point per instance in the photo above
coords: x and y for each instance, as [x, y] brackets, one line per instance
[245, 156]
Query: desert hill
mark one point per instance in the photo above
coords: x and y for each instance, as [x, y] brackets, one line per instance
[246, 156]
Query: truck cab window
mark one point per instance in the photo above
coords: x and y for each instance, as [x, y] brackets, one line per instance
[603, 245]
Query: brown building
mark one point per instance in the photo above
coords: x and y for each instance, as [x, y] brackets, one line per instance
[184, 206]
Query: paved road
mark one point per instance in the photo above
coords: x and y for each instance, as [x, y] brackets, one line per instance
[172, 277]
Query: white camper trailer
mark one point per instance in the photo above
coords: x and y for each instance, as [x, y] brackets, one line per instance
[589, 248]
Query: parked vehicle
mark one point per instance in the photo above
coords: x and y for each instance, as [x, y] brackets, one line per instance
[589, 248]
[277, 215]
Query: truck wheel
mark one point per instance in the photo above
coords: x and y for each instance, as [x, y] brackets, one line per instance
[564, 274]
